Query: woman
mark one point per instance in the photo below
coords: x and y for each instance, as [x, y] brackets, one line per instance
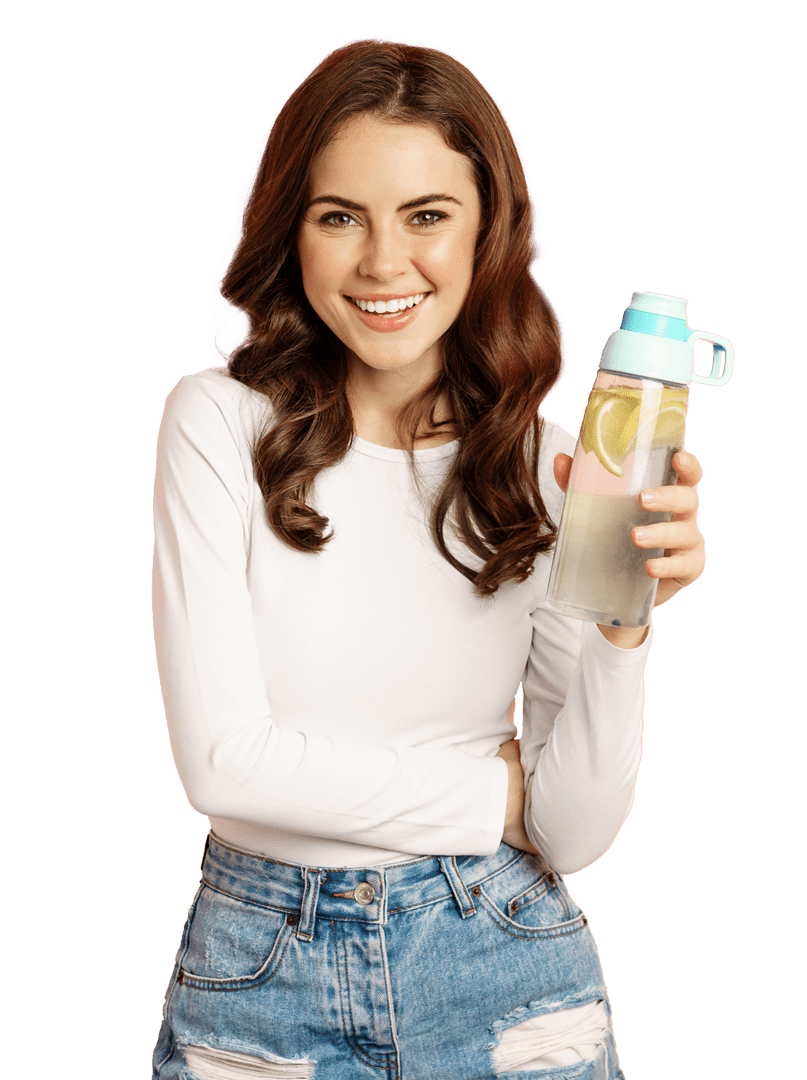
[353, 525]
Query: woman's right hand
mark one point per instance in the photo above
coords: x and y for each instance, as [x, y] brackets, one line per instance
[514, 832]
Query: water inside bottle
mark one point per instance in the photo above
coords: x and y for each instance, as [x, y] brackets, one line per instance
[630, 433]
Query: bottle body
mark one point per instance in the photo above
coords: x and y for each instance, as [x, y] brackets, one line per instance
[631, 430]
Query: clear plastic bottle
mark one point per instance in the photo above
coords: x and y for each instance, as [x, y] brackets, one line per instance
[633, 425]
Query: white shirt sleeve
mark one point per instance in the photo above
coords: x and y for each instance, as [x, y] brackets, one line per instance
[235, 761]
[582, 735]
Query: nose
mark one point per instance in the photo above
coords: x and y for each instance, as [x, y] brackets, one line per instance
[385, 254]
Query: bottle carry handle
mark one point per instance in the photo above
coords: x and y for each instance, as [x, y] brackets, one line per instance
[722, 357]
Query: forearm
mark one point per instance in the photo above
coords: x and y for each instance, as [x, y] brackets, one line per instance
[582, 779]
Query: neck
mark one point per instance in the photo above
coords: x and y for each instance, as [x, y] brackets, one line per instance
[376, 399]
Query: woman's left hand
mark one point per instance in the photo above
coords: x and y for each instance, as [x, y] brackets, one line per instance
[683, 558]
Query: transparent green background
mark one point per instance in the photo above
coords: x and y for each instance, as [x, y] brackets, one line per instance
[660, 140]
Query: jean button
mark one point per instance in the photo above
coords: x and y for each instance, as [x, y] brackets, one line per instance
[364, 893]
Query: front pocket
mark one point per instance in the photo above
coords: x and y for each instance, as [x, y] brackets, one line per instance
[529, 902]
[233, 945]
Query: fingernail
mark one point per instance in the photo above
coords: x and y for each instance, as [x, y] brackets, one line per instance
[683, 459]
[649, 496]
[641, 534]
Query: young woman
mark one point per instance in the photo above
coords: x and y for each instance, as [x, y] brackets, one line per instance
[353, 528]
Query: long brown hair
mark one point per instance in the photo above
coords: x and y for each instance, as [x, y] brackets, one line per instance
[500, 357]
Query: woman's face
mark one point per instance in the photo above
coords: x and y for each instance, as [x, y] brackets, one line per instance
[392, 218]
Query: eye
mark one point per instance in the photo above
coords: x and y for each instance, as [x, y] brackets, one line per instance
[428, 218]
[338, 219]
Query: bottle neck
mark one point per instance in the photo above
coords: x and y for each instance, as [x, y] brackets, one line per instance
[644, 356]
[642, 378]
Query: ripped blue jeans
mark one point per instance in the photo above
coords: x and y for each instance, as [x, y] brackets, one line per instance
[462, 968]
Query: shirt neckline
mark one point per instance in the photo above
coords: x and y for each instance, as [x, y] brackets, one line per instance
[389, 453]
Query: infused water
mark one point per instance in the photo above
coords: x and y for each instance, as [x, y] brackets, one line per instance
[631, 430]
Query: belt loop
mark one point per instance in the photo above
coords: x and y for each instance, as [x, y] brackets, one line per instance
[461, 895]
[543, 865]
[308, 911]
[204, 853]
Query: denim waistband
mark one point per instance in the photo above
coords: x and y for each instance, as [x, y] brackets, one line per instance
[357, 894]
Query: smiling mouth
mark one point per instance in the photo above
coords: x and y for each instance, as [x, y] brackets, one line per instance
[393, 306]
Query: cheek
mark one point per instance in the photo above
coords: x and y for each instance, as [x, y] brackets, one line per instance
[319, 269]
[451, 261]
[306, 253]
[322, 269]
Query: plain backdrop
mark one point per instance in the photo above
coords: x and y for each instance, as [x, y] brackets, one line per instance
[663, 150]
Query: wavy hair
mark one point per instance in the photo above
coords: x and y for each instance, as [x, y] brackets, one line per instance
[500, 358]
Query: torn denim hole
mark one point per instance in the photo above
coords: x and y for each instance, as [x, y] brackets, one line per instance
[553, 1039]
[208, 1063]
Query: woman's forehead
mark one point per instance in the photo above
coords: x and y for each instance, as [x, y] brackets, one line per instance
[372, 155]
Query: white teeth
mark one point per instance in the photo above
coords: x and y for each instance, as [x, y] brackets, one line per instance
[384, 307]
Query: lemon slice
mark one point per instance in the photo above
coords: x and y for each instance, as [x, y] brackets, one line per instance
[598, 401]
[609, 430]
[670, 424]
[611, 426]
[662, 428]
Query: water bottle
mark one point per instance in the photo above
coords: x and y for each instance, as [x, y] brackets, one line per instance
[633, 425]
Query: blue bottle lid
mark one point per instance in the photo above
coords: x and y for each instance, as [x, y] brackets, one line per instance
[654, 342]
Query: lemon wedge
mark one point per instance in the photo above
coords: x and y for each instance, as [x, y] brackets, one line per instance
[611, 426]
[610, 420]
[610, 431]
[670, 424]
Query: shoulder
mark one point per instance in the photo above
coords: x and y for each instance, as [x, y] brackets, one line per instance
[556, 440]
[212, 397]
[215, 387]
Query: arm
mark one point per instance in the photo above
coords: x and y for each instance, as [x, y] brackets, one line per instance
[583, 695]
[583, 698]
[234, 759]
[581, 743]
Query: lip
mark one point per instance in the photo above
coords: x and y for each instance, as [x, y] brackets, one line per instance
[387, 296]
[386, 324]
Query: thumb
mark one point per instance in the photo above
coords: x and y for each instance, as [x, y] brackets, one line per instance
[562, 467]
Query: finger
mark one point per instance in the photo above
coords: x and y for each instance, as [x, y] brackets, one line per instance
[688, 468]
[683, 568]
[675, 535]
[675, 500]
[562, 466]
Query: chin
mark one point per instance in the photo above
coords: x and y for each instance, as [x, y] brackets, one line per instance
[391, 363]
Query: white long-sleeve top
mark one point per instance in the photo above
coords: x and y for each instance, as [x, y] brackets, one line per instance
[345, 708]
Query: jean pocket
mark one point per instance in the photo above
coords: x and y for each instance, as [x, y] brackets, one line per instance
[233, 945]
[529, 901]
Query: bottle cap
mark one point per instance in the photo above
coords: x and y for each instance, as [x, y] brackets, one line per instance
[654, 342]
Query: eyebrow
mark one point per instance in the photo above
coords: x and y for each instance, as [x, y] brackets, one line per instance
[346, 204]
